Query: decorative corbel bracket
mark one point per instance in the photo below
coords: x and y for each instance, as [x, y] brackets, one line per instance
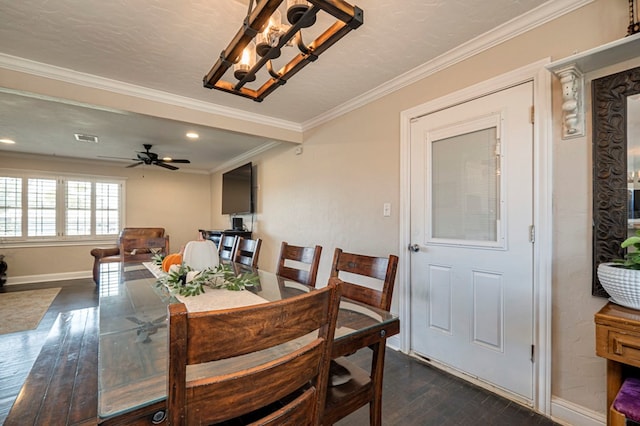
[572, 80]
[571, 71]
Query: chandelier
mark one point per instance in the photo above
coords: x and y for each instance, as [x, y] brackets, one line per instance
[263, 37]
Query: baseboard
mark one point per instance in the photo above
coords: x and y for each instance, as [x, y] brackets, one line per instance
[28, 279]
[570, 414]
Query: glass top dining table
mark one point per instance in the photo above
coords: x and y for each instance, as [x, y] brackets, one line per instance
[132, 350]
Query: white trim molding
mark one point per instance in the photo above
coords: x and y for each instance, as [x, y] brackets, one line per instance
[539, 16]
[568, 413]
[39, 69]
[63, 276]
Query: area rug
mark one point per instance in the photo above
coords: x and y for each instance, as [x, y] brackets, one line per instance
[23, 310]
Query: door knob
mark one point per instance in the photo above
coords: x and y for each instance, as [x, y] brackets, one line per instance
[414, 248]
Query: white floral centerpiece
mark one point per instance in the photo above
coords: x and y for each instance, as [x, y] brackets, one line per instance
[183, 280]
[198, 267]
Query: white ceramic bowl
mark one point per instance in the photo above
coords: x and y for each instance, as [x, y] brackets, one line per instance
[623, 285]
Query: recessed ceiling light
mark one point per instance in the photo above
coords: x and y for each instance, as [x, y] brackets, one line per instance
[7, 141]
[193, 135]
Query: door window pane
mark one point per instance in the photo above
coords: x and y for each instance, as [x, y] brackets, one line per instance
[465, 199]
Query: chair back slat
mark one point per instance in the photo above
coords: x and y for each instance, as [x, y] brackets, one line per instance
[309, 256]
[254, 328]
[258, 387]
[227, 247]
[247, 251]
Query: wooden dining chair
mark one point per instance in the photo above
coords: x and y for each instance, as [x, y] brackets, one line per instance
[247, 251]
[227, 247]
[285, 386]
[293, 256]
[363, 387]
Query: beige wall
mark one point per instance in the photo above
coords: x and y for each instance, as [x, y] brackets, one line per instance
[179, 202]
[332, 194]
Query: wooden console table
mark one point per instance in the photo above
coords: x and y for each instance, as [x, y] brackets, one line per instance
[618, 340]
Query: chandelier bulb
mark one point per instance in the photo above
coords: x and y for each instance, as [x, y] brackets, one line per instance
[270, 36]
[246, 62]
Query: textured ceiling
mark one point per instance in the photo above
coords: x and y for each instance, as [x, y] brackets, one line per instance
[169, 45]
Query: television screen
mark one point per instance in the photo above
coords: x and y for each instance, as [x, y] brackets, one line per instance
[237, 194]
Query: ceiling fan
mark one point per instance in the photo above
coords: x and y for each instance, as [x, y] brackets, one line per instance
[151, 158]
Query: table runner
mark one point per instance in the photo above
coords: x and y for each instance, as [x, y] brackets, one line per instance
[211, 299]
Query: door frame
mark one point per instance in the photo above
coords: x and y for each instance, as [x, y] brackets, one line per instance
[542, 212]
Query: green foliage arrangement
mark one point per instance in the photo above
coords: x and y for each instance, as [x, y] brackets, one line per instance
[220, 277]
[632, 258]
[157, 259]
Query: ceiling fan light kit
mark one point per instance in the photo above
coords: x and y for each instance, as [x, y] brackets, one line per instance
[151, 158]
[262, 37]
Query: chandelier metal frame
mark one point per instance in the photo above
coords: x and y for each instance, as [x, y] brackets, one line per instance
[348, 18]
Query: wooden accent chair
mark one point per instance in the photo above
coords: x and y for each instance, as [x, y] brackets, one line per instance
[227, 247]
[247, 251]
[134, 245]
[287, 387]
[291, 256]
[364, 387]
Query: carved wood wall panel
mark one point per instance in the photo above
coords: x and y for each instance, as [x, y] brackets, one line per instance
[610, 166]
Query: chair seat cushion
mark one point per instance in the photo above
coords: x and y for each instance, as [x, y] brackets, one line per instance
[628, 400]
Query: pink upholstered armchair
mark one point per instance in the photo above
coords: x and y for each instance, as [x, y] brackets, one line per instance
[134, 245]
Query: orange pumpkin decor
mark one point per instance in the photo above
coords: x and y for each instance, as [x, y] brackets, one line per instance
[171, 259]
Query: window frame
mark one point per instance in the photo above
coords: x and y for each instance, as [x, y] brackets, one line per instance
[61, 209]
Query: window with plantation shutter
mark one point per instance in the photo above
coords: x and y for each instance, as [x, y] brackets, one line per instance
[37, 207]
[41, 207]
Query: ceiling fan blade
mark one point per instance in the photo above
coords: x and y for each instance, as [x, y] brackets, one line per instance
[118, 158]
[177, 161]
[166, 166]
[135, 164]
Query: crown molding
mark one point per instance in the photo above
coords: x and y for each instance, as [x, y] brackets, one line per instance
[245, 156]
[546, 12]
[66, 75]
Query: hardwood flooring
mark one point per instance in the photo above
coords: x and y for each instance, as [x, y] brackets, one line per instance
[18, 351]
[414, 393]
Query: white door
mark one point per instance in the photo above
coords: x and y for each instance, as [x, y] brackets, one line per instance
[471, 218]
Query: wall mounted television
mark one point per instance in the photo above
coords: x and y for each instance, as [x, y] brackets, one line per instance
[237, 190]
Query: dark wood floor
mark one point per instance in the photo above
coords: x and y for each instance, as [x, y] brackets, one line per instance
[18, 351]
[414, 393]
